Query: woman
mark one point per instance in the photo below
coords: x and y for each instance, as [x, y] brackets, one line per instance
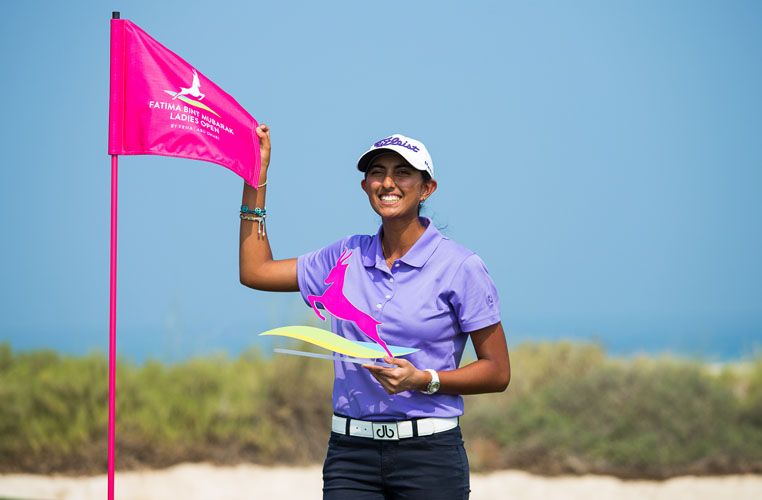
[395, 432]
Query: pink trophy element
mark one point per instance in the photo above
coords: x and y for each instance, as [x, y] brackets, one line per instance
[340, 307]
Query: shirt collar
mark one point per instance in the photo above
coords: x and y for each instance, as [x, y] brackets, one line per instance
[418, 254]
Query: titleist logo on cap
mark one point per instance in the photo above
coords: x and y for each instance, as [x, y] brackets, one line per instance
[394, 141]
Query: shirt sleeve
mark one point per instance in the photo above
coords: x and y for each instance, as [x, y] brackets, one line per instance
[312, 268]
[473, 295]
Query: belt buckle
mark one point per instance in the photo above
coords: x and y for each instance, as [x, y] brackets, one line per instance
[385, 431]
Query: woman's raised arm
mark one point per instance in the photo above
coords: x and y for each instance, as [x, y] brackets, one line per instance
[257, 269]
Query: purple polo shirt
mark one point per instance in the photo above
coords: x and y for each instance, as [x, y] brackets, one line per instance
[432, 295]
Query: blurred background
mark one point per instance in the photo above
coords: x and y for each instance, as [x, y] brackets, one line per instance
[602, 158]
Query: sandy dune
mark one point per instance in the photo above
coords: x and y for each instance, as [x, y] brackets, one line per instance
[203, 481]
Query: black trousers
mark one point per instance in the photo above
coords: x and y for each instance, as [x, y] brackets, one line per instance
[421, 468]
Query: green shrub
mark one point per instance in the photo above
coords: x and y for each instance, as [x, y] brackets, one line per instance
[574, 411]
[569, 408]
[52, 408]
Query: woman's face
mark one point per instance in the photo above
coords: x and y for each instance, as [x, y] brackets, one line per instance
[394, 187]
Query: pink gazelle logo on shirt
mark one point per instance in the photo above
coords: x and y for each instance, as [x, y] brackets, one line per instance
[338, 305]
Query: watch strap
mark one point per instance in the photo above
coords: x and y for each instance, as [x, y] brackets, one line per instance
[434, 384]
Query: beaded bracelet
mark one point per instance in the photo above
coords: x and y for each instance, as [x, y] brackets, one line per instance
[259, 218]
[259, 211]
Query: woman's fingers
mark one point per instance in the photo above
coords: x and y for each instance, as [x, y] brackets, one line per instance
[402, 363]
[393, 380]
[263, 132]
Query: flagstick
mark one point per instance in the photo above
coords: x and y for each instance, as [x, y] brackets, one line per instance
[112, 333]
[112, 313]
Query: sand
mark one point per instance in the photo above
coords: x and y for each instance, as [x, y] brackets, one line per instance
[204, 481]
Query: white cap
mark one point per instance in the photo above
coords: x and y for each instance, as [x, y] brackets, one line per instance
[413, 151]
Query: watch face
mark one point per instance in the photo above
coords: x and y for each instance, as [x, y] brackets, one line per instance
[434, 387]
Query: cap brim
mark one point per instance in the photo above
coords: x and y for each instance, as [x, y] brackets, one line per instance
[365, 159]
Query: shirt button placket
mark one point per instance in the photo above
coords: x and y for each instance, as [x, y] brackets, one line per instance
[388, 295]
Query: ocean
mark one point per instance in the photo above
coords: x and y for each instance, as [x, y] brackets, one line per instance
[714, 339]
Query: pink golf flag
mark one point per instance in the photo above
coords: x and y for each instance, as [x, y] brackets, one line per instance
[162, 105]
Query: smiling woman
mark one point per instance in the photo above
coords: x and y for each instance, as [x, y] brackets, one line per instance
[396, 190]
[393, 181]
[407, 286]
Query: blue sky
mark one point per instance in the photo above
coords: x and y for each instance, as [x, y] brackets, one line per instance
[602, 157]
